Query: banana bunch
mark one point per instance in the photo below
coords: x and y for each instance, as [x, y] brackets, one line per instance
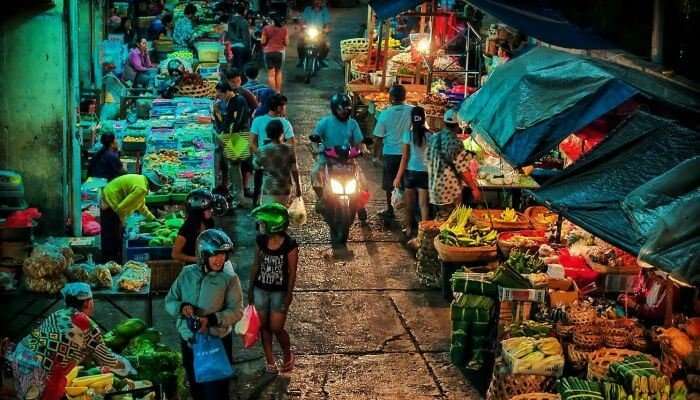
[518, 347]
[472, 237]
[549, 346]
[508, 215]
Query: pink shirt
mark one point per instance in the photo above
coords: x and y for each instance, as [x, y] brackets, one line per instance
[276, 38]
[140, 62]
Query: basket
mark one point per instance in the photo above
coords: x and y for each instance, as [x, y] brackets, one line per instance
[578, 315]
[144, 22]
[206, 90]
[639, 343]
[351, 48]
[208, 52]
[587, 337]
[505, 386]
[164, 45]
[481, 218]
[670, 361]
[536, 396]
[464, 254]
[433, 110]
[535, 214]
[578, 359]
[600, 361]
[163, 274]
[356, 73]
[537, 236]
[564, 330]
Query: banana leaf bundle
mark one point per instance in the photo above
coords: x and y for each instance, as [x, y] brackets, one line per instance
[639, 376]
[506, 276]
[473, 283]
[572, 388]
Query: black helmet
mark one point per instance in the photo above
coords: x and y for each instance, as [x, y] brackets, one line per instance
[199, 200]
[397, 93]
[212, 242]
[174, 67]
[219, 205]
[341, 106]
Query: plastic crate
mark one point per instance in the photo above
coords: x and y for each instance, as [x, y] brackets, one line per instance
[145, 253]
[156, 199]
[208, 70]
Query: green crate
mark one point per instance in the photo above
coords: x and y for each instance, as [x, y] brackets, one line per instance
[157, 199]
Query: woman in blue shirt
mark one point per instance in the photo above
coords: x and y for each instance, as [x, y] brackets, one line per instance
[413, 170]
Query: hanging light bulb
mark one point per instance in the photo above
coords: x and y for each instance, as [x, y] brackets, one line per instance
[423, 46]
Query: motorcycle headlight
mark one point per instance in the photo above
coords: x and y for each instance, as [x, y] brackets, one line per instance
[312, 32]
[351, 186]
[336, 186]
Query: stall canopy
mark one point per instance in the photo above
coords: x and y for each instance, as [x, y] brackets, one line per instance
[531, 103]
[537, 19]
[390, 8]
[639, 190]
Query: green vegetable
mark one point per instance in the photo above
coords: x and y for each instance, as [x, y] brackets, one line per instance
[507, 277]
[150, 334]
[524, 262]
[174, 223]
[130, 328]
[115, 341]
[149, 227]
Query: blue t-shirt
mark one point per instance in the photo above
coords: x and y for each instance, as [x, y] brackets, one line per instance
[260, 124]
[416, 160]
[391, 125]
[317, 18]
[334, 132]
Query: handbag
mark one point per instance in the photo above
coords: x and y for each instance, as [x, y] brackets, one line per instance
[210, 360]
[236, 146]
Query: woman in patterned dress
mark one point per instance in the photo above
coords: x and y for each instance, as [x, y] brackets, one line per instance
[64, 339]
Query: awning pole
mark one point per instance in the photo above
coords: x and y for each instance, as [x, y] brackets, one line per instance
[386, 54]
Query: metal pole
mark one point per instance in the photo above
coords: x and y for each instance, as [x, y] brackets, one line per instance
[386, 54]
[73, 104]
[657, 35]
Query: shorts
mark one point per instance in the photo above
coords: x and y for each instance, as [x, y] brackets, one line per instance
[273, 60]
[391, 168]
[416, 180]
[267, 301]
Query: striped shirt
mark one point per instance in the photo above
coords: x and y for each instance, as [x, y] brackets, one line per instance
[256, 87]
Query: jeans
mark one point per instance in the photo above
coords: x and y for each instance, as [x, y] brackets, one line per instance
[241, 55]
[217, 390]
[235, 180]
[145, 79]
[111, 235]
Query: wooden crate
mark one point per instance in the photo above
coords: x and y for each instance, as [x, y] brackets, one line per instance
[163, 274]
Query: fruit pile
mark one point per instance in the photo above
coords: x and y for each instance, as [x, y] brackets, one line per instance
[525, 262]
[134, 139]
[164, 157]
[162, 232]
[454, 231]
[526, 355]
[508, 215]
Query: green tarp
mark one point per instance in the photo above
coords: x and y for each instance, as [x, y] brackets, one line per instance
[648, 165]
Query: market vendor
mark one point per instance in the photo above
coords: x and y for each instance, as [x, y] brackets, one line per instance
[106, 163]
[183, 33]
[139, 68]
[64, 340]
[120, 198]
[199, 206]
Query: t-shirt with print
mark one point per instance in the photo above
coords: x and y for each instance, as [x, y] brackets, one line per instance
[443, 186]
[260, 124]
[391, 124]
[273, 274]
[416, 159]
[334, 132]
[277, 161]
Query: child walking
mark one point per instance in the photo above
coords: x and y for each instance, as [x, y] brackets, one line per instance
[272, 281]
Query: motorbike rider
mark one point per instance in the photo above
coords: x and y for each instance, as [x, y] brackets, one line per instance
[316, 15]
[336, 129]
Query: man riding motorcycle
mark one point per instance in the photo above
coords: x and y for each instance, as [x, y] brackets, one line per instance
[336, 130]
[317, 17]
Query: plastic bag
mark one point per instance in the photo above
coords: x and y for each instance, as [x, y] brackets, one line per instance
[297, 212]
[249, 326]
[397, 199]
[210, 360]
[577, 269]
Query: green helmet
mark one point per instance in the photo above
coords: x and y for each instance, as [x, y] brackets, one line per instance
[274, 215]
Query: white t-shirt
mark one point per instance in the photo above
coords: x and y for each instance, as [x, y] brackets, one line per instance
[260, 124]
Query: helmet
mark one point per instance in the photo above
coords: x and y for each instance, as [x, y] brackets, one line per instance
[174, 67]
[199, 200]
[341, 106]
[212, 242]
[397, 93]
[450, 117]
[155, 179]
[274, 215]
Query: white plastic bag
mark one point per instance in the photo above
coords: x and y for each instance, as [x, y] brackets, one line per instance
[297, 212]
[397, 199]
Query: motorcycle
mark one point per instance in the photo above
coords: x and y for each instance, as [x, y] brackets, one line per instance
[312, 51]
[343, 198]
[259, 22]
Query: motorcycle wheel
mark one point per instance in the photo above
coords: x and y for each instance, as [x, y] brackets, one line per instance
[339, 222]
[309, 68]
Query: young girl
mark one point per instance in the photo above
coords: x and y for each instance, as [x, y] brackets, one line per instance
[413, 169]
[272, 281]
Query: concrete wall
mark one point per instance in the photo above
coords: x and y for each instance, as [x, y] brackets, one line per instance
[33, 107]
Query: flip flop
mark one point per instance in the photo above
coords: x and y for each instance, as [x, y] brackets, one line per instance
[289, 365]
[271, 369]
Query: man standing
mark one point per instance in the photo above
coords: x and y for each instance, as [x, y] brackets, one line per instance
[448, 168]
[318, 16]
[391, 126]
[238, 35]
[234, 77]
[252, 83]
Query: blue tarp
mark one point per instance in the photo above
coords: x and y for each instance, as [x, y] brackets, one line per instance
[542, 22]
[531, 103]
[391, 8]
[608, 193]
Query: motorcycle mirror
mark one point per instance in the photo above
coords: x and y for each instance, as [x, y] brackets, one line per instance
[315, 138]
[368, 141]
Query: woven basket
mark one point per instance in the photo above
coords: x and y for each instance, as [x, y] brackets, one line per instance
[670, 361]
[587, 337]
[538, 238]
[481, 218]
[617, 342]
[206, 90]
[351, 48]
[163, 274]
[639, 343]
[505, 386]
[464, 254]
[536, 396]
[433, 110]
[581, 315]
[578, 359]
[564, 330]
[600, 361]
[534, 214]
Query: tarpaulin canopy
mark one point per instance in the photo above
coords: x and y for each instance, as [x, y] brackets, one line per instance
[531, 103]
[638, 190]
[536, 19]
[391, 8]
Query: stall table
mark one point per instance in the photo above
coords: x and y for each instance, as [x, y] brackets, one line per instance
[515, 188]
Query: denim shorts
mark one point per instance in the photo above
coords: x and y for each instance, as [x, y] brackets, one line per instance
[267, 302]
[416, 180]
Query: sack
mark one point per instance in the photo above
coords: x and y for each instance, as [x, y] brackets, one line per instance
[397, 199]
[210, 360]
[236, 146]
[297, 212]
[249, 326]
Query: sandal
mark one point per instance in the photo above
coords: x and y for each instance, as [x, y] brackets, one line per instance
[271, 369]
[289, 365]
